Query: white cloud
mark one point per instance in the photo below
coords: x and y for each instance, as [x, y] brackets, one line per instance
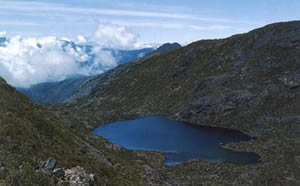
[3, 34]
[65, 39]
[41, 7]
[28, 61]
[115, 36]
[25, 61]
[81, 39]
[103, 60]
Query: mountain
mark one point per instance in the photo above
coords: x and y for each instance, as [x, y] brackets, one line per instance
[249, 82]
[167, 47]
[53, 92]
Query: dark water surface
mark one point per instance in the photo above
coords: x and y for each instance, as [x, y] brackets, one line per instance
[179, 141]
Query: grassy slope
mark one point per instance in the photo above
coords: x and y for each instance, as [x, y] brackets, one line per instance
[29, 134]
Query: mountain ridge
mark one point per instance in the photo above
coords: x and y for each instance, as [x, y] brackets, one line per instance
[166, 47]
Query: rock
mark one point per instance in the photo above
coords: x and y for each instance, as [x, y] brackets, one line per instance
[92, 178]
[291, 80]
[59, 172]
[3, 172]
[78, 176]
[114, 147]
[49, 165]
[297, 161]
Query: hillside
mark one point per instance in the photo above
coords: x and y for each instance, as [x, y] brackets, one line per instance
[248, 82]
[30, 134]
[207, 80]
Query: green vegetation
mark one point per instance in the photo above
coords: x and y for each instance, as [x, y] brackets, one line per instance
[30, 134]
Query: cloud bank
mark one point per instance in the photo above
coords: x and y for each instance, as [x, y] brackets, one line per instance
[115, 36]
[25, 61]
[2, 33]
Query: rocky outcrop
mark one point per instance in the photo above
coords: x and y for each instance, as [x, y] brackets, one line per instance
[291, 80]
[49, 165]
[76, 176]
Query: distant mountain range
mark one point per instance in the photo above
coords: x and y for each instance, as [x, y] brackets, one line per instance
[120, 56]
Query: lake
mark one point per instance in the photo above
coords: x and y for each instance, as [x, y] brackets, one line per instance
[179, 141]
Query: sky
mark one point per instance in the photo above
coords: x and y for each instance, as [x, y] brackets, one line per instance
[153, 21]
[36, 30]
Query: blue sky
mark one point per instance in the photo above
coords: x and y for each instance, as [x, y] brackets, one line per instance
[155, 21]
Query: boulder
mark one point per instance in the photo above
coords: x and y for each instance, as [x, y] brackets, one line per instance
[77, 176]
[49, 165]
[3, 172]
[92, 178]
[291, 80]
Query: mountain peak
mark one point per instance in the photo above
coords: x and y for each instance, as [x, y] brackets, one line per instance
[168, 47]
[2, 82]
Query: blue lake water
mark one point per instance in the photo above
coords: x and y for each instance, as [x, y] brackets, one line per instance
[178, 141]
